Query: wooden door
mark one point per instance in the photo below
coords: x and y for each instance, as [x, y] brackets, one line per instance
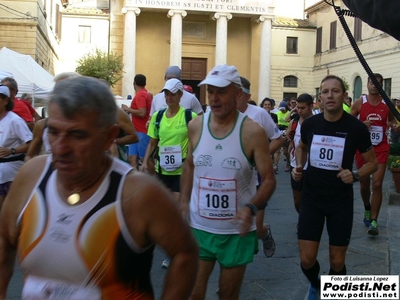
[194, 70]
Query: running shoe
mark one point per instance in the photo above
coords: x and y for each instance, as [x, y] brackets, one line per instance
[287, 168]
[373, 228]
[367, 218]
[165, 263]
[276, 169]
[269, 244]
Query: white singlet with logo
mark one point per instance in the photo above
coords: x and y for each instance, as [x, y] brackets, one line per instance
[295, 143]
[327, 152]
[222, 181]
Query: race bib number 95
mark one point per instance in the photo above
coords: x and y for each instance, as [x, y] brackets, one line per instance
[376, 134]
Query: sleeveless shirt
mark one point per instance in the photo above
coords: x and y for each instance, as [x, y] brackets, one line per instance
[378, 114]
[83, 251]
[222, 180]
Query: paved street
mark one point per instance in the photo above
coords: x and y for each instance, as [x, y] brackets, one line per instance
[280, 277]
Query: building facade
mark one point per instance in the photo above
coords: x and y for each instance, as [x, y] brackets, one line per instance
[335, 55]
[281, 56]
[32, 27]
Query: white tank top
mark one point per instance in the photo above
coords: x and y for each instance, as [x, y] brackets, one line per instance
[295, 143]
[45, 140]
[222, 181]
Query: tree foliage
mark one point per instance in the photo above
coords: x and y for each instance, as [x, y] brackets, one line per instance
[102, 65]
[346, 84]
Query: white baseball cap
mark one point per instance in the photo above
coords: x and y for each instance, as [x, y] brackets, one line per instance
[173, 85]
[222, 76]
[5, 90]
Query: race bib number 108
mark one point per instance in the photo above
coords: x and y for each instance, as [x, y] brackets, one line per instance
[217, 198]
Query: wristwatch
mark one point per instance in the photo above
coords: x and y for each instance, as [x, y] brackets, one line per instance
[253, 208]
[356, 176]
[13, 151]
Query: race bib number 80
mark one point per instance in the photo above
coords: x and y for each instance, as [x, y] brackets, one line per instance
[327, 152]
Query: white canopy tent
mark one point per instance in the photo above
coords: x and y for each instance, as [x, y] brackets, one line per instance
[5, 74]
[30, 76]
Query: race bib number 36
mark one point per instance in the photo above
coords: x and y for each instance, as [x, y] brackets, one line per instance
[217, 198]
[171, 157]
[327, 152]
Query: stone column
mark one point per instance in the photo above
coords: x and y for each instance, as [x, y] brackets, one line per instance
[264, 87]
[175, 55]
[129, 49]
[221, 43]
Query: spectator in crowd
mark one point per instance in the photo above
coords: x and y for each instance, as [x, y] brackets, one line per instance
[20, 107]
[140, 112]
[14, 142]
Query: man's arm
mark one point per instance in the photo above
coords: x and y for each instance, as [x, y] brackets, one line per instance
[10, 211]
[275, 144]
[370, 166]
[36, 117]
[153, 217]
[125, 123]
[36, 144]
[256, 146]
[194, 129]
[290, 114]
[356, 107]
[32, 111]
[391, 122]
[262, 160]
[288, 136]
[301, 159]
[141, 112]
[149, 151]
[273, 133]
[383, 15]
[140, 101]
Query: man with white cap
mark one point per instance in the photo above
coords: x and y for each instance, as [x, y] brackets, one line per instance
[170, 132]
[20, 108]
[217, 191]
[188, 100]
[14, 142]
